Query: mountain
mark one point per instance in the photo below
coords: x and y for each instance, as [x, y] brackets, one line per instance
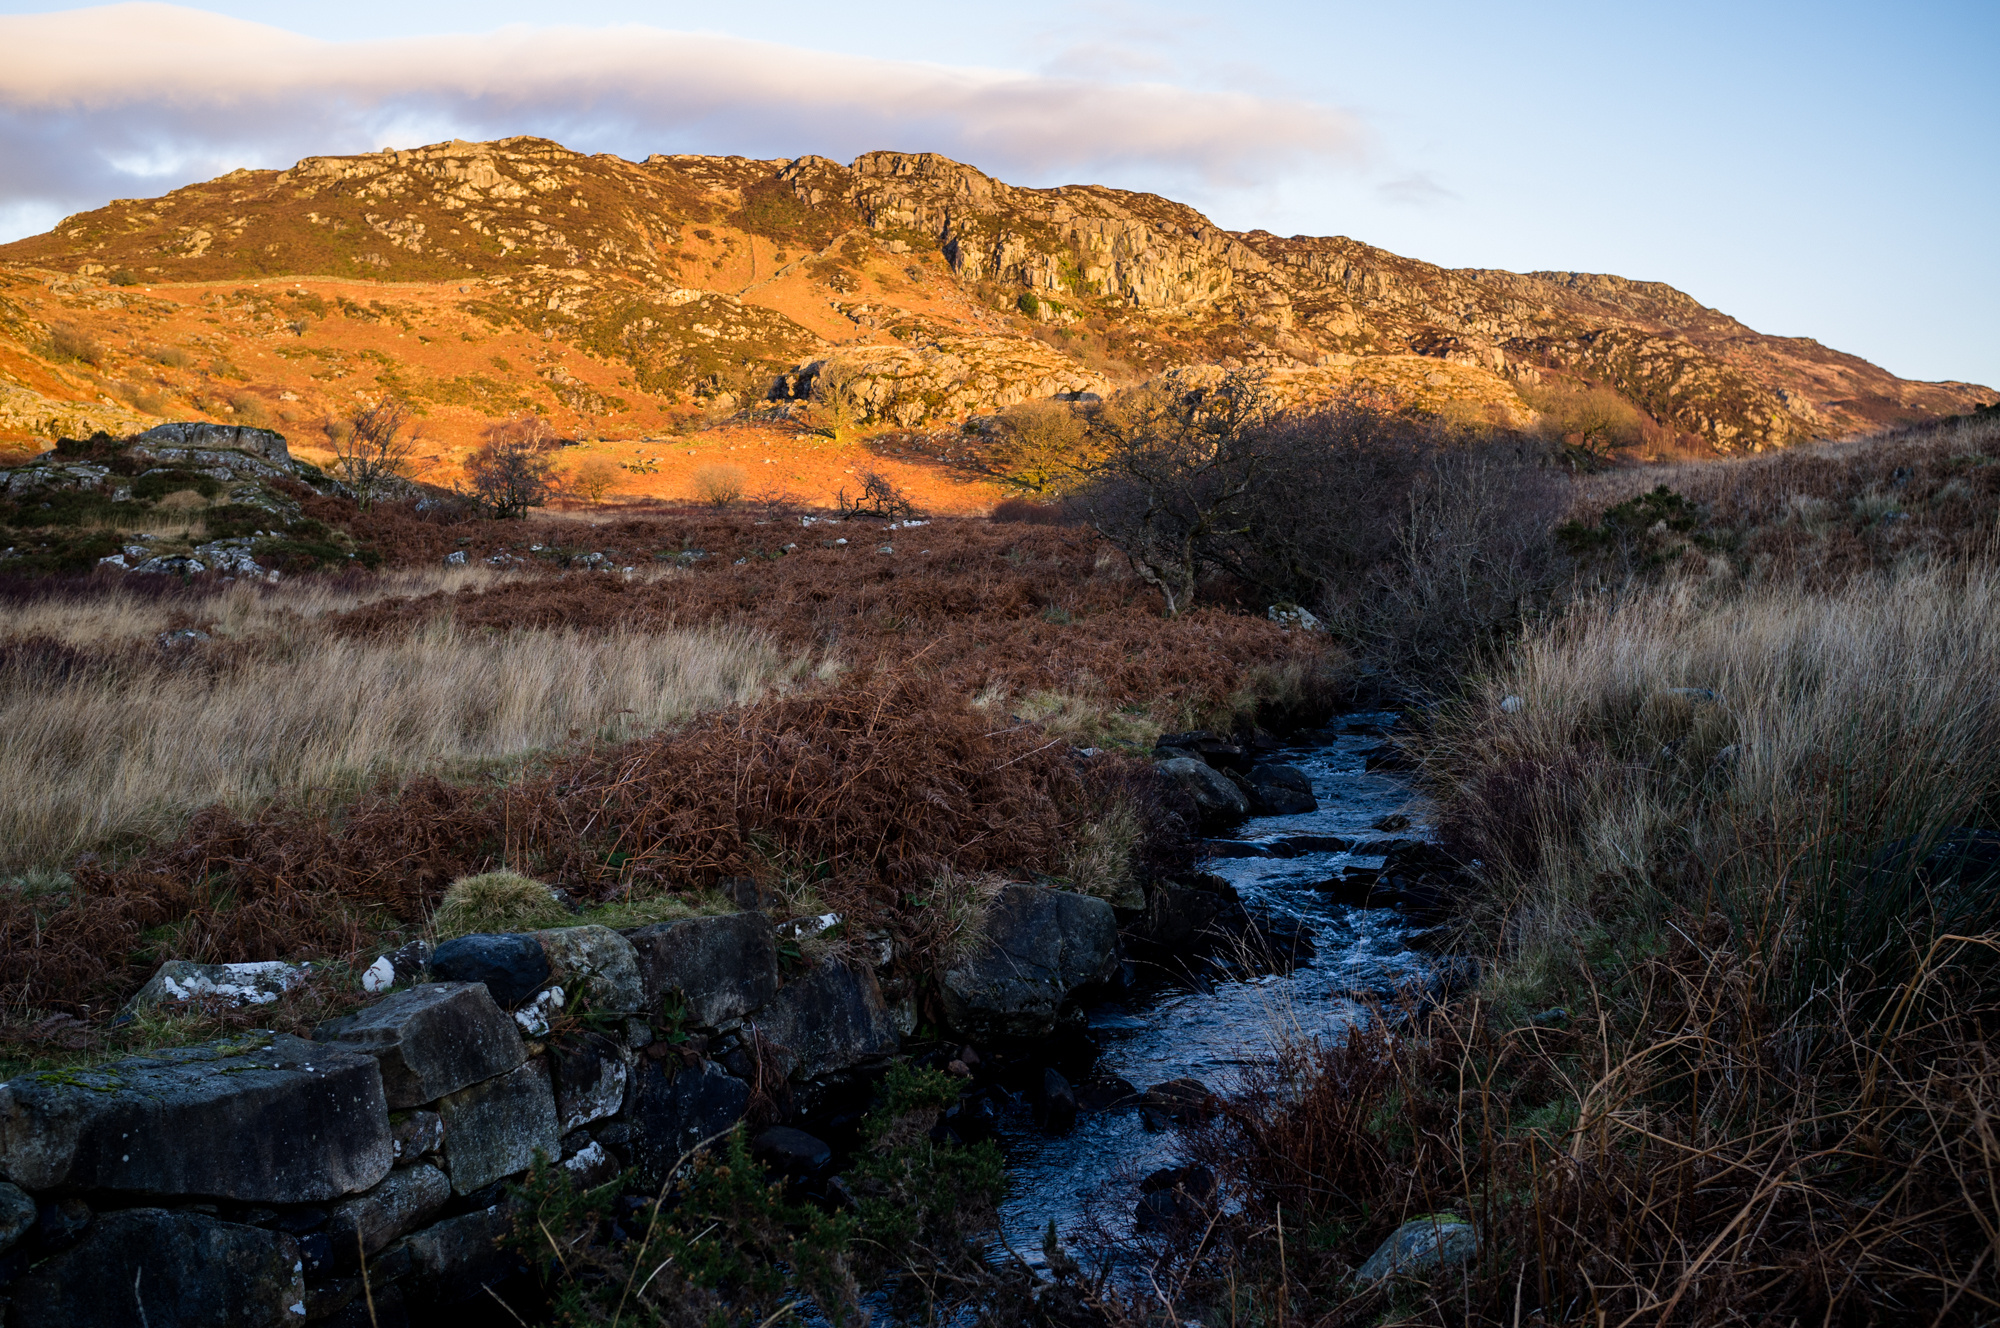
[480, 279]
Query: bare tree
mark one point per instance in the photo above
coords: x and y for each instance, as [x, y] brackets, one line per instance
[1176, 479]
[374, 448]
[837, 408]
[509, 476]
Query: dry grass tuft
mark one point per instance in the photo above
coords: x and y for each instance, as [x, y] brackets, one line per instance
[496, 901]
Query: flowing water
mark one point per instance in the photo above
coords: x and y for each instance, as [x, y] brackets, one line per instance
[1210, 1031]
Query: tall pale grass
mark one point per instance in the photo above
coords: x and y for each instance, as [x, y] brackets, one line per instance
[130, 746]
[1741, 749]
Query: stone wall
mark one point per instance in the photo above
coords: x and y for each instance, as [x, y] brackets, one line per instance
[252, 1181]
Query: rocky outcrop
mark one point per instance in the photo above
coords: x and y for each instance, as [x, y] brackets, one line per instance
[713, 277]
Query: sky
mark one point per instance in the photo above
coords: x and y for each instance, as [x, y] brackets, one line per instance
[1829, 170]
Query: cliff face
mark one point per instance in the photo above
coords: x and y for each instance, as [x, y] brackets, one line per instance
[652, 284]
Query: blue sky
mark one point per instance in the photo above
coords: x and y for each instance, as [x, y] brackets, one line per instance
[1829, 170]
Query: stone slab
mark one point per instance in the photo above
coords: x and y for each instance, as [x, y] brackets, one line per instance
[432, 1040]
[494, 1129]
[721, 968]
[148, 1266]
[262, 1118]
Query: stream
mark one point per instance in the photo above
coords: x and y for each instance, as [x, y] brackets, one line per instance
[1209, 1031]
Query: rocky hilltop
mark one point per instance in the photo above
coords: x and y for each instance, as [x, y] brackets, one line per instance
[478, 279]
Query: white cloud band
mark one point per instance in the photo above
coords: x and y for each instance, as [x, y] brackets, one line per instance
[140, 97]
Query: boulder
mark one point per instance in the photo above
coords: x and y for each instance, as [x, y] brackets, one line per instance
[830, 1019]
[1040, 946]
[1184, 1101]
[1217, 752]
[494, 1129]
[1217, 800]
[513, 966]
[1055, 1103]
[589, 1073]
[400, 1204]
[230, 984]
[597, 965]
[158, 1268]
[671, 1112]
[792, 1152]
[1422, 1246]
[720, 969]
[1176, 1199]
[1180, 917]
[264, 1118]
[432, 1040]
[458, 1258]
[1281, 790]
[17, 1215]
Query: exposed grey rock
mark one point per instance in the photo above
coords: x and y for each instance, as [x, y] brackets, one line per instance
[589, 1073]
[258, 1119]
[457, 1258]
[456, 558]
[1293, 617]
[720, 968]
[231, 984]
[1422, 1246]
[494, 1129]
[595, 964]
[1041, 945]
[512, 965]
[152, 1267]
[1182, 1100]
[416, 1134]
[1281, 790]
[538, 1014]
[793, 1152]
[172, 564]
[432, 1040]
[1217, 800]
[266, 444]
[17, 1214]
[830, 1019]
[400, 1204]
[591, 1165]
[671, 1112]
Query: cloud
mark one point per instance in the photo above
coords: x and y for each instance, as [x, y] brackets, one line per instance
[137, 98]
[1417, 189]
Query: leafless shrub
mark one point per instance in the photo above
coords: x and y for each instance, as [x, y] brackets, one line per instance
[720, 485]
[373, 449]
[593, 478]
[879, 498]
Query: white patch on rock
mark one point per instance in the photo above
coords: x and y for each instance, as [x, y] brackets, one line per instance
[534, 1016]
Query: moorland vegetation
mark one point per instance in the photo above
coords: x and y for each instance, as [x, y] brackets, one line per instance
[1714, 744]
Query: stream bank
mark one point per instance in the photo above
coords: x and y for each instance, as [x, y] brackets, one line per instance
[1304, 874]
